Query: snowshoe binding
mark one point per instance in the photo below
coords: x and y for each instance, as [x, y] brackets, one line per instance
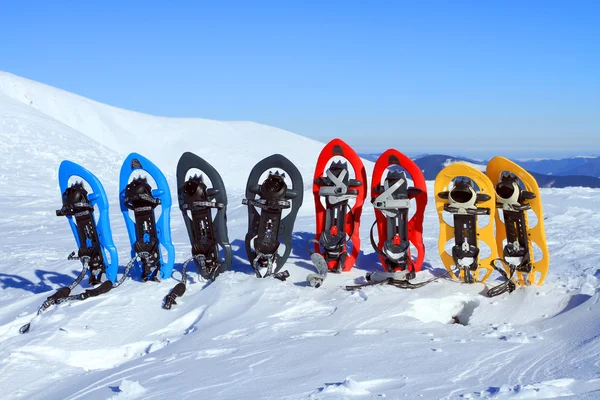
[146, 233]
[337, 219]
[207, 230]
[466, 205]
[93, 235]
[516, 193]
[267, 230]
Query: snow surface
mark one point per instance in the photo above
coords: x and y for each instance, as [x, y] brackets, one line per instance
[245, 338]
[450, 161]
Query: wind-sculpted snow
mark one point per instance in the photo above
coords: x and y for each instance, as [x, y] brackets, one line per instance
[245, 338]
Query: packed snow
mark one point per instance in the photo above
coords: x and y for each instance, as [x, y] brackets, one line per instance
[247, 338]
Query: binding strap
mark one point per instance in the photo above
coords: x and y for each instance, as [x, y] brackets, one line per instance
[409, 262]
[265, 204]
[199, 205]
[149, 202]
[508, 285]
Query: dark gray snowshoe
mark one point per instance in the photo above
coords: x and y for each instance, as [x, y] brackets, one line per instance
[206, 229]
[266, 229]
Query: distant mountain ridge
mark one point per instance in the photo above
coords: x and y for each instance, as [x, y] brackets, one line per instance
[568, 172]
[589, 166]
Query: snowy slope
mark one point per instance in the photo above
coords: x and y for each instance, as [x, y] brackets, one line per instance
[245, 338]
[227, 145]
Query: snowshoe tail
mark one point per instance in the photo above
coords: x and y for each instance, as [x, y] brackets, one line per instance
[316, 280]
[465, 193]
[516, 192]
[267, 230]
[91, 231]
[391, 197]
[335, 218]
[146, 234]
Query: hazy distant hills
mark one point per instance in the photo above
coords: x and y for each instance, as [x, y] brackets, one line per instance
[560, 173]
[589, 166]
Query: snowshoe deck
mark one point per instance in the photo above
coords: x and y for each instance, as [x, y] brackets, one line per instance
[466, 205]
[146, 234]
[267, 230]
[336, 220]
[513, 201]
[391, 198]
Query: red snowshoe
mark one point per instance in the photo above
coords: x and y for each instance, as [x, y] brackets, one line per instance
[391, 197]
[337, 218]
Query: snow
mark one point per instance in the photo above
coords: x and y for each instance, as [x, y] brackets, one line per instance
[129, 390]
[245, 338]
[480, 167]
[227, 145]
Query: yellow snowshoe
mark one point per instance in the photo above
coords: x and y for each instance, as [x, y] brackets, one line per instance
[516, 193]
[466, 194]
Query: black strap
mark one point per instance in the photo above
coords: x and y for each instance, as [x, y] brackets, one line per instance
[74, 209]
[508, 285]
[179, 289]
[469, 211]
[356, 287]
[409, 262]
[377, 250]
[267, 204]
[200, 205]
[351, 213]
[150, 201]
[63, 294]
[400, 284]
[310, 249]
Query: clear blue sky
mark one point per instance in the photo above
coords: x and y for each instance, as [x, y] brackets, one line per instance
[421, 76]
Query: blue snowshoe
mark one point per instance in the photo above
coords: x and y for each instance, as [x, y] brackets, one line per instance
[147, 234]
[92, 234]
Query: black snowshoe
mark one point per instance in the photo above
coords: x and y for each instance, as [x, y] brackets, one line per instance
[207, 231]
[267, 230]
[139, 199]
